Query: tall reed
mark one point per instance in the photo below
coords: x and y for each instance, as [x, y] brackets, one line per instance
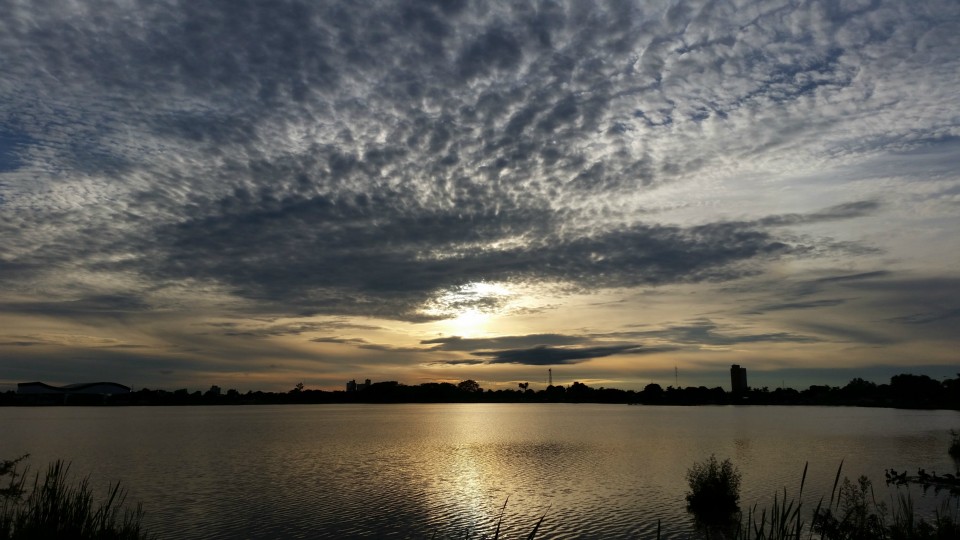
[53, 507]
[852, 513]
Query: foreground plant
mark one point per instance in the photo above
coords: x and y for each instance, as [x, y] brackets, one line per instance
[852, 513]
[55, 508]
[714, 496]
[783, 520]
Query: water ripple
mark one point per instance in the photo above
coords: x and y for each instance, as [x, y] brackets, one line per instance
[446, 470]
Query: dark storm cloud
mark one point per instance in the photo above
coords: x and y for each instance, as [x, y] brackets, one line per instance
[546, 356]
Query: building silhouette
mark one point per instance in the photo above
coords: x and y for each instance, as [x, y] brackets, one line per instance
[738, 379]
[352, 386]
[95, 388]
[38, 393]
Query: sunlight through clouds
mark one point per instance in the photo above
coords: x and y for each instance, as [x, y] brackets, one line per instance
[480, 169]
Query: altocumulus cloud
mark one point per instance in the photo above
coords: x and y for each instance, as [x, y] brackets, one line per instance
[322, 154]
[362, 157]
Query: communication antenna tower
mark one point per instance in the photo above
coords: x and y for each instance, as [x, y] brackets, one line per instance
[550, 376]
[676, 377]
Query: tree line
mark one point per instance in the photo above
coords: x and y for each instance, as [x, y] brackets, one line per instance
[904, 391]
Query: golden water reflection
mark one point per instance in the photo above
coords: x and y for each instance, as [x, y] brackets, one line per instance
[413, 470]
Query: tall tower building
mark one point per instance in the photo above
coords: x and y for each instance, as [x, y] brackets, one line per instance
[738, 379]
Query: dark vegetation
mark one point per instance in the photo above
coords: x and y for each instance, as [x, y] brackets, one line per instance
[714, 496]
[905, 390]
[851, 513]
[53, 507]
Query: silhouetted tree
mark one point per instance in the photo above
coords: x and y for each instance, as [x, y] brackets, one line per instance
[915, 390]
[579, 391]
[951, 389]
[859, 388]
[469, 385]
[652, 394]
[555, 393]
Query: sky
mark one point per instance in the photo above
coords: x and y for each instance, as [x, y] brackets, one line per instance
[255, 193]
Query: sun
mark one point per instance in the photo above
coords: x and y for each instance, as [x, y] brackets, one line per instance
[468, 323]
[468, 310]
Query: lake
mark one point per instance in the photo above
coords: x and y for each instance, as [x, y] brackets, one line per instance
[382, 471]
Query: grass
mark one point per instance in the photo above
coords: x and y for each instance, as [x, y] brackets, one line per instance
[851, 513]
[955, 444]
[54, 507]
[783, 521]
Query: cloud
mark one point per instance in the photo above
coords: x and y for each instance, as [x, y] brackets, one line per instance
[361, 343]
[850, 334]
[333, 256]
[281, 160]
[457, 343]
[854, 277]
[838, 212]
[258, 329]
[319, 198]
[547, 356]
[704, 332]
[811, 304]
[927, 318]
[108, 306]
[466, 362]
[21, 343]
[350, 341]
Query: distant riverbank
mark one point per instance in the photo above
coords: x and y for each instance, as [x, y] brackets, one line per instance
[904, 391]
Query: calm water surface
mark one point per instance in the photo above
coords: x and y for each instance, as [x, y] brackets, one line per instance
[378, 471]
